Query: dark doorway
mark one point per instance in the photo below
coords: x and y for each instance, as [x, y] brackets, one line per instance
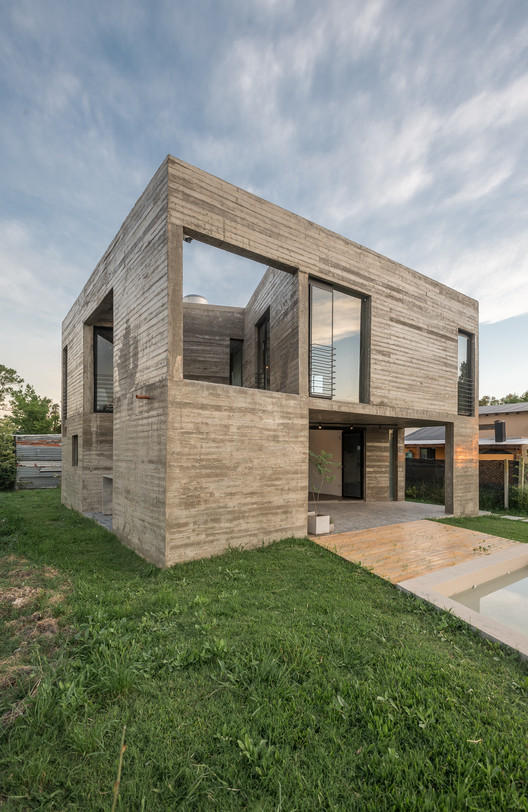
[353, 456]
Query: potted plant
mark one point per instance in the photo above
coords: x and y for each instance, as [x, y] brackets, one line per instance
[322, 465]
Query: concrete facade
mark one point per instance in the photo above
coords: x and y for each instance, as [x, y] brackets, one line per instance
[198, 464]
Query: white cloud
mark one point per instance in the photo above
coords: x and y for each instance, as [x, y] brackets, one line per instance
[403, 131]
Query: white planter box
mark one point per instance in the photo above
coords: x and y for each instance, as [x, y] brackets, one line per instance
[318, 525]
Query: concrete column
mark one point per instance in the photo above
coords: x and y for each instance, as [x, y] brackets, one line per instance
[399, 484]
[377, 460]
[462, 467]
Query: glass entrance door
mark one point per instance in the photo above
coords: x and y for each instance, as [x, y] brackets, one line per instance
[353, 455]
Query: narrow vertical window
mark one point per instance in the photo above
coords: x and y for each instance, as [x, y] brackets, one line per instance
[75, 450]
[322, 353]
[235, 361]
[64, 384]
[466, 381]
[104, 369]
[263, 352]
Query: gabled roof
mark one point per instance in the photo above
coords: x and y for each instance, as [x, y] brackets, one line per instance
[429, 434]
[435, 435]
[504, 408]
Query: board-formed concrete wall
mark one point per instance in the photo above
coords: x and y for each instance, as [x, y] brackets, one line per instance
[130, 444]
[199, 465]
[207, 330]
[276, 292]
[413, 322]
[237, 468]
[414, 319]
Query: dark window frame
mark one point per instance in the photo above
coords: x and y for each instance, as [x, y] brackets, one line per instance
[103, 332]
[75, 450]
[466, 388]
[427, 453]
[236, 349]
[263, 351]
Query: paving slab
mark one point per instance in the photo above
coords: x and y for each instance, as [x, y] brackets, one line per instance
[351, 515]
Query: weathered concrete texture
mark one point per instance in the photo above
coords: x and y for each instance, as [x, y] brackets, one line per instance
[278, 292]
[414, 320]
[462, 467]
[376, 465]
[198, 465]
[207, 330]
[236, 468]
[135, 269]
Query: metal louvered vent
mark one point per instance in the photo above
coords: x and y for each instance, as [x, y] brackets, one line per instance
[322, 371]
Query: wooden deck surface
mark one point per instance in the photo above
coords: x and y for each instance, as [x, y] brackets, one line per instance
[397, 552]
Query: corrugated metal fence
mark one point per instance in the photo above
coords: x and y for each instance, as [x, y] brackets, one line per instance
[38, 461]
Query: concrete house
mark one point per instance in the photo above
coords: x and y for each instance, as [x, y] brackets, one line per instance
[191, 423]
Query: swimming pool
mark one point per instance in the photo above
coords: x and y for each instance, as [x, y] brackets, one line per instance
[490, 593]
[504, 599]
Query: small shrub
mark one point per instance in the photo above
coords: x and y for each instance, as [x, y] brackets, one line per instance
[7, 463]
[491, 497]
[430, 492]
[519, 499]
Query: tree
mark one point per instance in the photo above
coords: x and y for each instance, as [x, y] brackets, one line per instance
[322, 463]
[32, 414]
[490, 400]
[10, 381]
[7, 455]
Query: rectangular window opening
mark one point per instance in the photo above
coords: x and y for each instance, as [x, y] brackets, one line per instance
[338, 344]
[75, 450]
[428, 453]
[103, 369]
[235, 361]
[466, 375]
[263, 352]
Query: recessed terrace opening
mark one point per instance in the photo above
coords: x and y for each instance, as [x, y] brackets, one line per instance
[99, 355]
[229, 294]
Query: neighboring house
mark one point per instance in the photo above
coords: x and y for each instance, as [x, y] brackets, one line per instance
[191, 422]
[515, 415]
[429, 443]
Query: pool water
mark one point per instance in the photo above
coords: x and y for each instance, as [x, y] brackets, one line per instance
[504, 599]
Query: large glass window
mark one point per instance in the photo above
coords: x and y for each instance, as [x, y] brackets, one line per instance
[263, 352]
[335, 343]
[104, 369]
[465, 375]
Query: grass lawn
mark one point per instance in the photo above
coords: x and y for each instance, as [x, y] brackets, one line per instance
[494, 525]
[284, 678]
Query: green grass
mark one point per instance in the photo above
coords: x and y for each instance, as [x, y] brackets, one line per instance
[283, 678]
[495, 525]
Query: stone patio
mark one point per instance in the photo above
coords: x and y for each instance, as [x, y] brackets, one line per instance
[351, 515]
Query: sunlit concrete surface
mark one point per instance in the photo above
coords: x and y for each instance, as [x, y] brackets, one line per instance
[398, 552]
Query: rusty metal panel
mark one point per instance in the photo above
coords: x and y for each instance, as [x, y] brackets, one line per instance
[38, 461]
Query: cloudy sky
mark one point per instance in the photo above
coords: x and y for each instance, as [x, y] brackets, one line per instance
[401, 124]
